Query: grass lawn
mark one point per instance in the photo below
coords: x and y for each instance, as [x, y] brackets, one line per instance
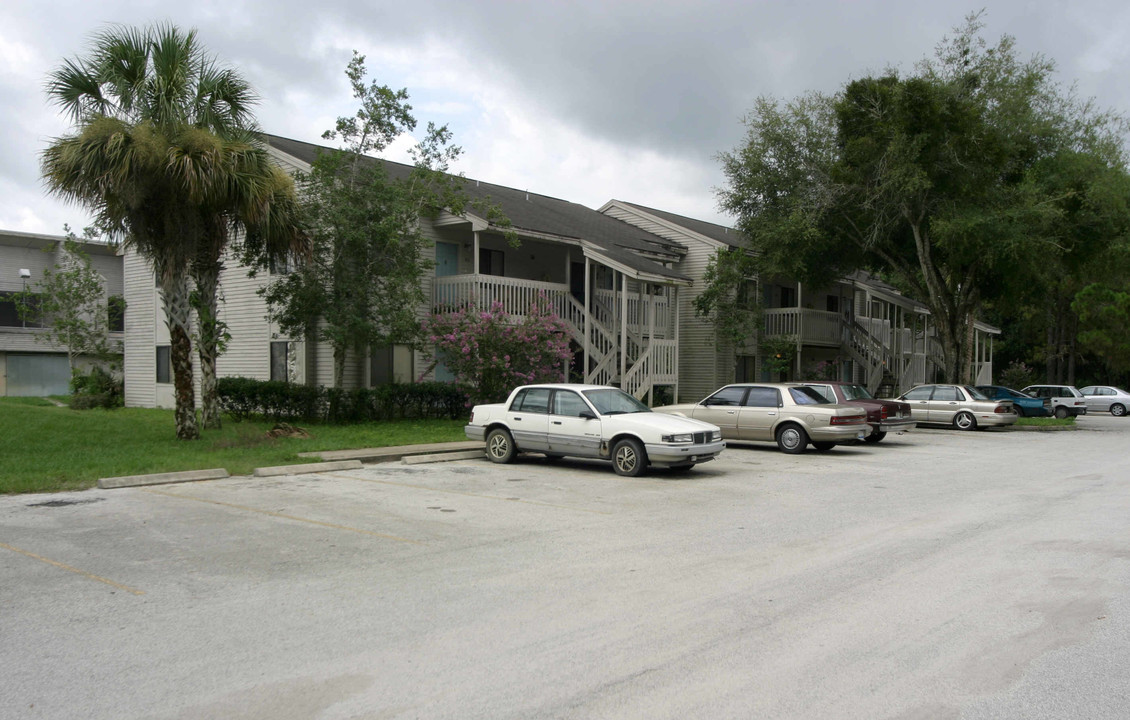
[46, 448]
[1046, 422]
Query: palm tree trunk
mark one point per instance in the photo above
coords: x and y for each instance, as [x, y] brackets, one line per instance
[178, 313]
[206, 272]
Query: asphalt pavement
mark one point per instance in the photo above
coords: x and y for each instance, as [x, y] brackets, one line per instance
[937, 574]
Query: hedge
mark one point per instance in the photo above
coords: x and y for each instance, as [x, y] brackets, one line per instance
[244, 398]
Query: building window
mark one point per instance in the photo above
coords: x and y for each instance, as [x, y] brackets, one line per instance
[116, 313]
[788, 297]
[164, 364]
[281, 265]
[492, 262]
[10, 314]
[380, 365]
[280, 353]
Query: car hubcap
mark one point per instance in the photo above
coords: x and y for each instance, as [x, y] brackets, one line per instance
[963, 421]
[1118, 411]
[626, 458]
[790, 439]
[498, 446]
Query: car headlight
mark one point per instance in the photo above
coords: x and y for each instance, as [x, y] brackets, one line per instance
[679, 438]
[716, 435]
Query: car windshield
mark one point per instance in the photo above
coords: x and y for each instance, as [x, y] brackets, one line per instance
[611, 401]
[807, 396]
[856, 392]
[975, 393]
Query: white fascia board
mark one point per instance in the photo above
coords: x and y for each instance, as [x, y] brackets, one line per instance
[594, 253]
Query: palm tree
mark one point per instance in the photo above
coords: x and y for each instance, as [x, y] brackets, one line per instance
[165, 154]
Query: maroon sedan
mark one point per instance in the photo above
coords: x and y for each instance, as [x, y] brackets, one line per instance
[883, 416]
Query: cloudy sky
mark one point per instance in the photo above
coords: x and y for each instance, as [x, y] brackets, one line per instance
[585, 101]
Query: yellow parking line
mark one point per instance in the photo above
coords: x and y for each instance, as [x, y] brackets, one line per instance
[60, 565]
[467, 494]
[285, 516]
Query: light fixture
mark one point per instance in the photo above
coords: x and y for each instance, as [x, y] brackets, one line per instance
[25, 273]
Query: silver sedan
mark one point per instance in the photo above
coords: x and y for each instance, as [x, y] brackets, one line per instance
[962, 406]
[1106, 398]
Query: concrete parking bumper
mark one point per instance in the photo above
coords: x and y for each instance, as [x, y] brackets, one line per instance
[161, 478]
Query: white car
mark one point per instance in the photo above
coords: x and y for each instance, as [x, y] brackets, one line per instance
[1067, 401]
[591, 421]
[1106, 398]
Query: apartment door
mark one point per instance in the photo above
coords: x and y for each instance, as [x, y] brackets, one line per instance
[447, 259]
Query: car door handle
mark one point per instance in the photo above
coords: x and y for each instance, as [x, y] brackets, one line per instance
[517, 419]
[771, 414]
[731, 412]
[556, 422]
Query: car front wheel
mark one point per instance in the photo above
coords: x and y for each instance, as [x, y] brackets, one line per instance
[1117, 410]
[500, 446]
[792, 439]
[628, 458]
[965, 421]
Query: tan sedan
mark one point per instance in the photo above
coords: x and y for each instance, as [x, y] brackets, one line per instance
[788, 414]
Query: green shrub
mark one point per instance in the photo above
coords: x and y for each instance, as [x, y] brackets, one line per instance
[244, 398]
[96, 388]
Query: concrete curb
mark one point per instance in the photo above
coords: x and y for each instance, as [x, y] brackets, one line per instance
[392, 454]
[443, 457]
[161, 478]
[307, 468]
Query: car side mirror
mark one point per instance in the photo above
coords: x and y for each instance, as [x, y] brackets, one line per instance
[587, 415]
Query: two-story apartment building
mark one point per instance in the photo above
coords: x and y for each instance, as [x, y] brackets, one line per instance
[860, 328]
[623, 278]
[614, 285]
[28, 365]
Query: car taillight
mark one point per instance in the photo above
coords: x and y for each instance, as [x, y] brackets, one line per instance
[472, 417]
[848, 419]
[1002, 409]
[883, 413]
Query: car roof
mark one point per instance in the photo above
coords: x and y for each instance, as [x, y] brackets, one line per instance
[567, 386]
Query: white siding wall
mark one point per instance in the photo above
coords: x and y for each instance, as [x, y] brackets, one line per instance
[143, 313]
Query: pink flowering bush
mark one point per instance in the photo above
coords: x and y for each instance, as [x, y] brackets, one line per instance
[490, 352]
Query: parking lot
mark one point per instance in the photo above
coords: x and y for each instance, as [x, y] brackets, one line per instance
[937, 574]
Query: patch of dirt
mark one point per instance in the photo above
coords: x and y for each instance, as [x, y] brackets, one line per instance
[287, 430]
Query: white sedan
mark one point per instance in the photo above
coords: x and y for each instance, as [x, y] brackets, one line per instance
[591, 421]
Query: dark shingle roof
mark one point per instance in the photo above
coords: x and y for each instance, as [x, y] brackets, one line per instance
[542, 214]
[721, 233]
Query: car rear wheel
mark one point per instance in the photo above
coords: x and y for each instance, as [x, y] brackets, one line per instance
[1061, 412]
[792, 439]
[628, 458]
[500, 446]
[1020, 412]
[965, 421]
[1117, 410]
[875, 437]
[823, 446]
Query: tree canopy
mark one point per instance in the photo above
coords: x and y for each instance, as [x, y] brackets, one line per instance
[957, 182]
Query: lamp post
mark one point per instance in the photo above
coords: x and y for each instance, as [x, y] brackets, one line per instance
[24, 275]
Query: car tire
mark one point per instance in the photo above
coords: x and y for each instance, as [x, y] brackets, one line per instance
[1019, 411]
[875, 437]
[964, 421]
[628, 458]
[1117, 410]
[792, 439]
[823, 446]
[1061, 412]
[500, 446]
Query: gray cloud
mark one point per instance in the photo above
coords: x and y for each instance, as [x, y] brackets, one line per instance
[666, 78]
